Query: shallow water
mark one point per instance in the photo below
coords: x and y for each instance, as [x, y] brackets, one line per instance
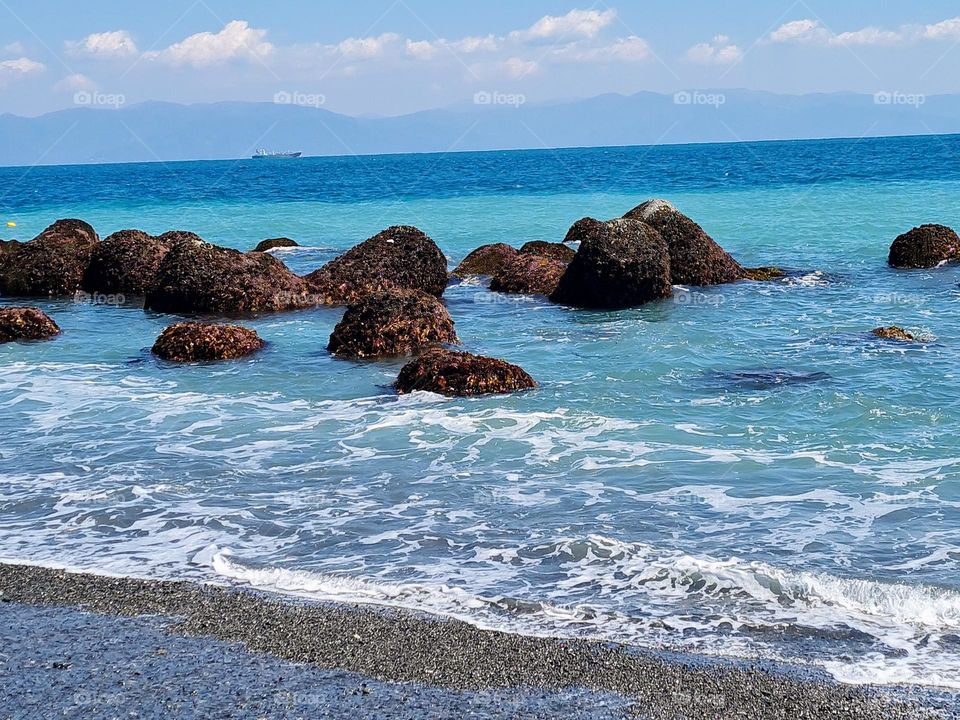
[741, 470]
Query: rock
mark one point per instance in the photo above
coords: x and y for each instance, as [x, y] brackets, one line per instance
[125, 263]
[621, 263]
[924, 247]
[197, 277]
[400, 257]
[557, 251]
[695, 258]
[894, 332]
[763, 273]
[272, 243]
[450, 372]
[392, 322]
[25, 323]
[52, 263]
[529, 274]
[485, 260]
[194, 341]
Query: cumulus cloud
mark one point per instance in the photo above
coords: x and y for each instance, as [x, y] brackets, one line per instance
[814, 32]
[944, 30]
[368, 47]
[75, 83]
[629, 49]
[107, 45]
[15, 69]
[517, 68]
[428, 50]
[800, 31]
[237, 41]
[719, 51]
[576, 23]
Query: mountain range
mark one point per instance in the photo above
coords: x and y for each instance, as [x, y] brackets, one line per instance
[157, 131]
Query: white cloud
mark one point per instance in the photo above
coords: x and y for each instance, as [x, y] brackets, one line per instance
[944, 30]
[423, 49]
[801, 31]
[719, 51]
[476, 44]
[107, 45]
[576, 23]
[236, 41]
[428, 50]
[75, 83]
[20, 66]
[868, 36]
[368, 47]
[630, 49]
[517, 68]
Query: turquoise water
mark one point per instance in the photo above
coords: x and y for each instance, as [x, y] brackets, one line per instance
[742, 470]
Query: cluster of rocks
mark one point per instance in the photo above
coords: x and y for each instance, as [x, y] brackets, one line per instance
[391, 284]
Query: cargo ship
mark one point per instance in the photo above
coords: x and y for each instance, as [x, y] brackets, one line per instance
[276, 155]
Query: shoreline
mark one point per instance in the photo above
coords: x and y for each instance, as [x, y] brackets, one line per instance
[395, 646]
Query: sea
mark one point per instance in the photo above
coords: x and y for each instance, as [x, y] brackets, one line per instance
[741, 471]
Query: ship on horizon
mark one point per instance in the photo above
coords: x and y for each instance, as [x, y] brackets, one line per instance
[286, 155]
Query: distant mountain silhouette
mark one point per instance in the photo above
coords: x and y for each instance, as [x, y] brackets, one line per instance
[166, 131]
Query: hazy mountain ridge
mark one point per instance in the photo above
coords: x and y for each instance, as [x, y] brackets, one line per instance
[166, 131]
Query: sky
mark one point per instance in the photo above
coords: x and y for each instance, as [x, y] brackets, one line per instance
[391, 57]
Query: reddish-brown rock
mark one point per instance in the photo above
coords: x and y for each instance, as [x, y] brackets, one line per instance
[450, 372]
[51, 264]
[25, 323]
[194, 341]
[924, 247]
[485, 260]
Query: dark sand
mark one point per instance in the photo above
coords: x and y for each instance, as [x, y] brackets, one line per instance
[301, 659]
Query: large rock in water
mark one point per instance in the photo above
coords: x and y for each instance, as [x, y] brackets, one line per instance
[400, 257]
[449, 372]
[485, 260]
[52, 263]
[542, 248]
[25, 323]
[924, 247]
[695, 258]
[272, 243]
[194, 341]
[620, 263]
[125, 263]
[392, 322]
[197, 277]
[529, 274]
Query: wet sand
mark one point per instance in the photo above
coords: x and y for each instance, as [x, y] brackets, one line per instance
[92, 646]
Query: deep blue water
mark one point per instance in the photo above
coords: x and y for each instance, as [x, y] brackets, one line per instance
[741, 470]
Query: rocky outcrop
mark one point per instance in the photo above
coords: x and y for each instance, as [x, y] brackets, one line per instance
[485, 260]
[272, 243]
[450, 372]
[529, 274]
[695, 258]
[51, 264]
[125, 263]
[194, 341]
[400, 257]
[542, 248]
[171, 237]
[197, 277]
[894, 332]
[25, 323]
[762, 274]
[924, 247]
[392, 322]
[620, 263]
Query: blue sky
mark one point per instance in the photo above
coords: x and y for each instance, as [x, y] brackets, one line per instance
[387, 57]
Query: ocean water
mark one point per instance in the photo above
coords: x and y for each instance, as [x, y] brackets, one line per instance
[742, 470]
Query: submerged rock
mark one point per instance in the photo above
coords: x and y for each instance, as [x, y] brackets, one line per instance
[529, 274]
[52, 263]
[451, 372]
[197, 277]
[924, 247]
[25, 323]
[695, 258]
[272, 243]
[485, 260]
[392, 322]
[621, 263]
[194, 341]
[764, 273]
[400, 257]
[125, 262]
[557, 251]
[894, 332]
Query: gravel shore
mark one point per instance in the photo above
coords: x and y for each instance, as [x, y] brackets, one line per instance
[411, 666]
